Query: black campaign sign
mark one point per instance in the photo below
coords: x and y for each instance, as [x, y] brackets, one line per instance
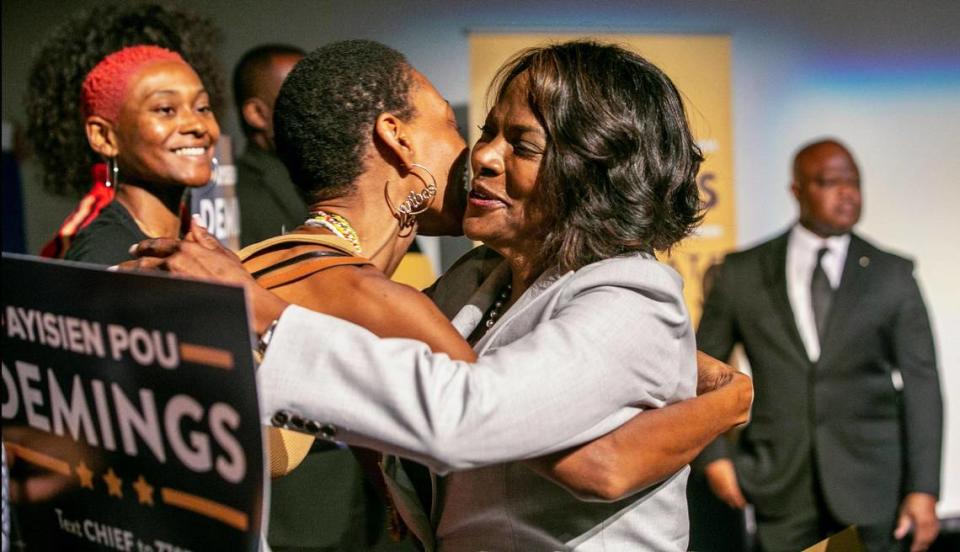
[130, 413]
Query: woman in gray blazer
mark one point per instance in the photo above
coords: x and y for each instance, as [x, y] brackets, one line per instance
[586, 166]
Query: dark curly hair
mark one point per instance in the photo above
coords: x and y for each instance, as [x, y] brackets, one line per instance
[619, 171]
[326, 110]
[55, 123]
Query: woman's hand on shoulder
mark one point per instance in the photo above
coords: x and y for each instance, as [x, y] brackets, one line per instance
[200, 256]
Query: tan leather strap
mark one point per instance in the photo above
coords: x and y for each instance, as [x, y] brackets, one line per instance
[292, 273]
[295, 238]
[274, 263]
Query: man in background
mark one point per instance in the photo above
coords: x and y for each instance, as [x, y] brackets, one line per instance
[847, 419]
[269, 202]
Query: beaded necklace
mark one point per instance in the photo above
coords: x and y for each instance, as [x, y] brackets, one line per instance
[494, 312]
[491, 316]
[336, 224]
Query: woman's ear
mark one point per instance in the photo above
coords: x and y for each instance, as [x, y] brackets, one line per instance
[394, 134]
[101, 136]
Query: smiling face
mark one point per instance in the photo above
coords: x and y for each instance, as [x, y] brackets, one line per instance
[166, 129]
[440, 147]
[501, 206]
[827, 188]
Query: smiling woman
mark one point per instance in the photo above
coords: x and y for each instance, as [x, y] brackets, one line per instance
[148, 115]
[167, 128]
[131, 83]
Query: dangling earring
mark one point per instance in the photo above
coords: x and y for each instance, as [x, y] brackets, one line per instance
[112, 173]
[215, 170]
[415, 203]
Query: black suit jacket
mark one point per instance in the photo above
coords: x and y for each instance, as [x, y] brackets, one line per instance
[871, 443]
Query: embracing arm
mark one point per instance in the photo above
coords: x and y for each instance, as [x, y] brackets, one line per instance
[397, 396]
[656, 443]
[647, 449]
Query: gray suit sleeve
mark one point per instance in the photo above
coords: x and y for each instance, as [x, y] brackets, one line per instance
[573, 378]
[716, 336]
[914, 355]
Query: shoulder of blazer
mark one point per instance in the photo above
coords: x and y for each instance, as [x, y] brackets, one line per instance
[862, 247]
[640, 273]
[891, 272]
[757, 253]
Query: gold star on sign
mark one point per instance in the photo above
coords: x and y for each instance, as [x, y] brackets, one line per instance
[144, 491]
[84, 475]
[114, 484]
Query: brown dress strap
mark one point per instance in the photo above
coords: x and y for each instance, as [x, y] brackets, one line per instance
[282, 260]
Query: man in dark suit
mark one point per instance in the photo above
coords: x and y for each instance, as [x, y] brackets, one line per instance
[269, 202]
[847, 418]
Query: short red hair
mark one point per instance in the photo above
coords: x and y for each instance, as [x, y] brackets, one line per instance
[105, 86]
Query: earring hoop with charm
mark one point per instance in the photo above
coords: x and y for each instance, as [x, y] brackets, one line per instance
[415, 202]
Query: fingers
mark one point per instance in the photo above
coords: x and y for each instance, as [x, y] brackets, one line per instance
[722, 478]
[732, 498]
[918, 512]
[198, 234]
[737, 500]
[143, 264]
[711, 373]
[903, 526]
[924, 533]
[155, 247]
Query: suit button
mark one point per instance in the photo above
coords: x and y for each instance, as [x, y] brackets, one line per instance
[280, 418]
[296, 422]
[328, 432]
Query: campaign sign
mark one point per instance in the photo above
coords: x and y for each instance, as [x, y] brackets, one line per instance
[130, 414]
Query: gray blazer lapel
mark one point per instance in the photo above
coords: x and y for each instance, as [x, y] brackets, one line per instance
[847, 297]
[533, 295]
[775, 275]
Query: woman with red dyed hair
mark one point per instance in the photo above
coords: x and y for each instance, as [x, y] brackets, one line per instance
[149, 116]
[115, 92]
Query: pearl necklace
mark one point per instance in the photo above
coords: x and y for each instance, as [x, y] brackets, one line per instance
[494, 311]
[336, 224]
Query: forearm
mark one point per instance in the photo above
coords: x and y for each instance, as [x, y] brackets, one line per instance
[650, 447]
[395, 396]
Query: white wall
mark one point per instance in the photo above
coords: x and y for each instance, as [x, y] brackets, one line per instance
[882, 75]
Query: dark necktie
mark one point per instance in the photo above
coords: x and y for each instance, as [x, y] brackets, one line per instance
[821, 294]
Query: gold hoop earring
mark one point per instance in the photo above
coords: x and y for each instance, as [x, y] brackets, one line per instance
[415, 203]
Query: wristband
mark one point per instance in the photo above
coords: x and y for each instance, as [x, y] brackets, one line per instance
[265, 337]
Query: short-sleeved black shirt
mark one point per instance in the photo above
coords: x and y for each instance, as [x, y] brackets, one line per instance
[108, 238]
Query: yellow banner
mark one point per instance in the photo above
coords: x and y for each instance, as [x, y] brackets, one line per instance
[699, 65]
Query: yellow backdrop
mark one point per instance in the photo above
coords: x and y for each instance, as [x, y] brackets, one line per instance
[699, 65]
